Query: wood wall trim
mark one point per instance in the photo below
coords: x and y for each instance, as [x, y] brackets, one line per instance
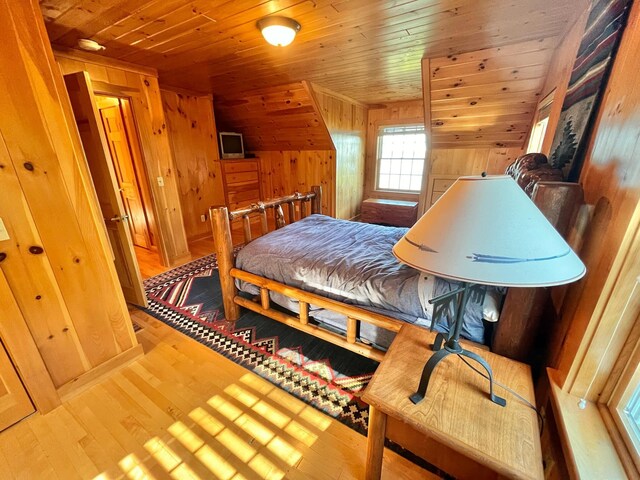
[153, 137]
[319, 88]
[78, 385]
[612, 320]
[581, 431]
[317, 110]
[87, 57]
[425, 66]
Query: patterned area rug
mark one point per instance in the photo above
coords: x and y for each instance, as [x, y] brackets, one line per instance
[330, 378]
[188, 298]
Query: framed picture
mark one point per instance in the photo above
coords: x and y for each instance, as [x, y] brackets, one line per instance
[607, 19]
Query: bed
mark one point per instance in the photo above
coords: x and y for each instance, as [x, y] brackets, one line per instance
[339, 281]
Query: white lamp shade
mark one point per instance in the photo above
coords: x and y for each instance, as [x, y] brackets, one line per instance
[278, 31]
[486, 230]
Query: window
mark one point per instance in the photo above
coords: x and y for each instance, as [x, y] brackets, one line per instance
[401, 153]
[624, 404]
[540, 127]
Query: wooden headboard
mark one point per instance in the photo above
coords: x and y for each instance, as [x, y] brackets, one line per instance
[521, 319]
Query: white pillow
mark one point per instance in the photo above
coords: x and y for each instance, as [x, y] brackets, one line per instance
[491, 305]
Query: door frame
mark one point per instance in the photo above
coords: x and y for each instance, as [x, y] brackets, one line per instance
[137, 162]
[131, 93]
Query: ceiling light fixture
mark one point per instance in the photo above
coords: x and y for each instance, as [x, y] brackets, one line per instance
[278, 31]
[90, 45]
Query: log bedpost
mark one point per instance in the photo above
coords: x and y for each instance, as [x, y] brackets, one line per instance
[279, 216]
[224, 254]
[316, 202]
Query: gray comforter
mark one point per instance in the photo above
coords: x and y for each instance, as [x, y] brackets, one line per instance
[350, 262]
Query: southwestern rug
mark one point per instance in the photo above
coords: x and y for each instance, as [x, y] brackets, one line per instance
[330, 378]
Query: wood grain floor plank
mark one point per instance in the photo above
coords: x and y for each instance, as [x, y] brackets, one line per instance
[248, 427]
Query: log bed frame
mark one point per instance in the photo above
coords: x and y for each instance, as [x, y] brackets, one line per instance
[513, 335]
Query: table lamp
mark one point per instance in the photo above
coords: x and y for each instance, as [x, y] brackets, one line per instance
[484, 230]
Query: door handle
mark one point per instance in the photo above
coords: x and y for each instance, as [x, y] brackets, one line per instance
[117, 218]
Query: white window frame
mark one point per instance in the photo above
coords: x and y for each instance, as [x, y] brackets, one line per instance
[381, 133]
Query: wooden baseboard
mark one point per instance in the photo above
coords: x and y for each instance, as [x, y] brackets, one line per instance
[201, 236]
[174, 262]
[90, 378]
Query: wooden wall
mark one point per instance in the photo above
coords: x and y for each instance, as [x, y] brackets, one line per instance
[57, 266]
[611, 181]
[141, 85]
[194, 143]
[472, 161]
[346, 121]
[284, 172]
[284, 117]
[487, 98]
[304, 135]
[450, 161]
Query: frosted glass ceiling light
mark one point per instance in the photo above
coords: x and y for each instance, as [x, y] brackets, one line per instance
[278, 31]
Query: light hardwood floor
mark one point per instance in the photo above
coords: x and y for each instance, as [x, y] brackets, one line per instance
[185, 412]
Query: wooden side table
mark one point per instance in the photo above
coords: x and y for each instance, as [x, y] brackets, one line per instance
[456, 415]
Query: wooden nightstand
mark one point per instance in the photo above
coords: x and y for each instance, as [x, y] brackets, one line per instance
[460, 430]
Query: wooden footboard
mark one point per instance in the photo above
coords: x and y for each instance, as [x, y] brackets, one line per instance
[221, 218]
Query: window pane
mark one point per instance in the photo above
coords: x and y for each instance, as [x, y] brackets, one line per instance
[402, 150]
[401, 156]
[383, 181]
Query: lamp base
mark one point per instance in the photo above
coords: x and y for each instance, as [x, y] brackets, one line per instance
[451, 346]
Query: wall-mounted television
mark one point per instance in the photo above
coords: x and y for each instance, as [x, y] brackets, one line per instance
[231, 145]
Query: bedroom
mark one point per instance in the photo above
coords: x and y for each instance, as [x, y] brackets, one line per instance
[352, 71]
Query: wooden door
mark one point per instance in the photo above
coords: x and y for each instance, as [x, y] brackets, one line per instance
[15, 403]
[120, 148]
[104, 181]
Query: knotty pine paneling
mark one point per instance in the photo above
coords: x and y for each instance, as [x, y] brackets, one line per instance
[143, 89]
[193, 138]
[284, 172]
[58, 264]
[369, 51]
[283, 117]
[303, 138]
[346, 121]
[611, 181]
[472, 161]
[487, 98]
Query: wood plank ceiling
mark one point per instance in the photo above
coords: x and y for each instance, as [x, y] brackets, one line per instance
[368, 50]
[285, 117]
[487, 98]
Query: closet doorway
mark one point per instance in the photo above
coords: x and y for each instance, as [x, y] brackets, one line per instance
[117, 122]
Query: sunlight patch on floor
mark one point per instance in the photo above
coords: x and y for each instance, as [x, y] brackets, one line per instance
[225, 449]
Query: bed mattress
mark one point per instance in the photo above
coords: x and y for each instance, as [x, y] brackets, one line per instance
[350, 262]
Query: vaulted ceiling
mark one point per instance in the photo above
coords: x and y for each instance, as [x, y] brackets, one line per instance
[370, 50]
